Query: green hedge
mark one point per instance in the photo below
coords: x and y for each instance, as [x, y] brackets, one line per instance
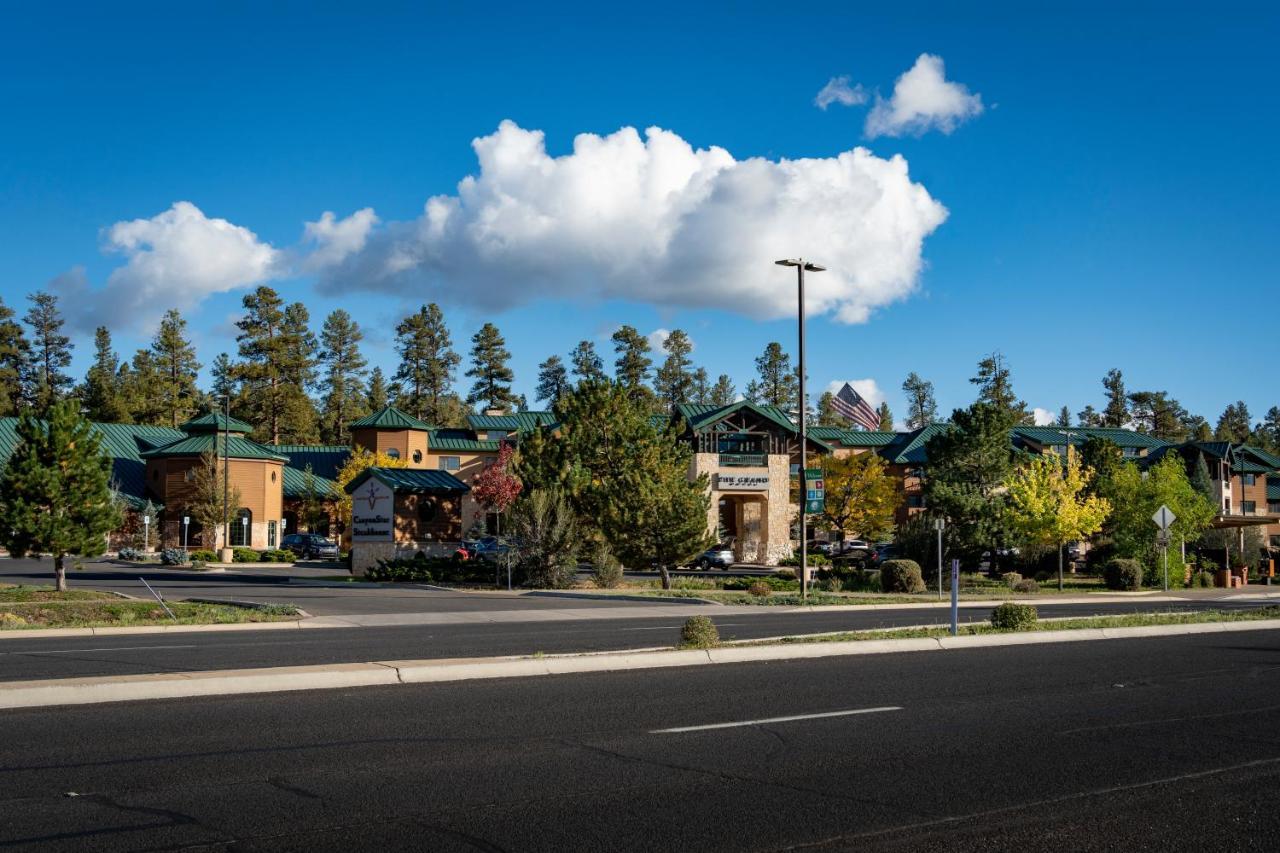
[1013, 617]
[205, 555]
[1123, 574]
[278, 555]
[424, 569]
[774, 583]
[901, 576]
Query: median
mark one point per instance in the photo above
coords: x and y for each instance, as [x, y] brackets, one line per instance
[31, 608]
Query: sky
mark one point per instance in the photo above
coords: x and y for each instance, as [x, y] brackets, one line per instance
[1078, 188]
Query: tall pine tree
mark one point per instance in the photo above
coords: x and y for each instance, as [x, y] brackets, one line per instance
[277, 361]
[427, 366]
[344, 370]
[15, 359]
[631, 368]
[176, 368]
[489, 369]
[995, 387]
[674, 379]
[553, 380]
[723, 393]
[886, 417]
[101, 395]
[50, 352]
[921, 408]
[586, 362]
[1116, 412]
[376, 397]
[777, 384]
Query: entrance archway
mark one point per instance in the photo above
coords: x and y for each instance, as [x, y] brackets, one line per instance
[744, 520]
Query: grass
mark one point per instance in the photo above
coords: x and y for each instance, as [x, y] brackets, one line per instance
[1131, 620]
[33, 608]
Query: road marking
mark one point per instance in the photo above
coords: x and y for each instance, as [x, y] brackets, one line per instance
[765, 722]
[106, 649]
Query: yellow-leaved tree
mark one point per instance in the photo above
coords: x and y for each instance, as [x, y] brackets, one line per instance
[1049, 506]
[861, 495]
[359, 460]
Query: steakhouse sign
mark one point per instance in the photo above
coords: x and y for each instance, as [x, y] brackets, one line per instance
[372, 511]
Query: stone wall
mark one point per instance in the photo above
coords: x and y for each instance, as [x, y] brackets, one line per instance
[763, 518]
[365, 555]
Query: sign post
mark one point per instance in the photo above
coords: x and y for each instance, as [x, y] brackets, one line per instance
[939, 525]
[955, 597]
[1163, 518]
[186, 520]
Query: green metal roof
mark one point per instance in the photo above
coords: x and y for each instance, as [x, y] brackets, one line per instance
[1051, 435]
[325, 459]
[293, 484]
[1244, 466]
[411, 480]
[852, 437]
[216, 422]
[910, 448]
[1273, 488]
[699, 416]
[236, 447]
[461, 440]
[1220, 449]
[513, 422]
[1266, 458]
[389, 417]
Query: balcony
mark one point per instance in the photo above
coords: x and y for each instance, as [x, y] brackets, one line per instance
[744, 460]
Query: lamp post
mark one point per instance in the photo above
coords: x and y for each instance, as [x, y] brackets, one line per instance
[1066, 455]
[226, 472]
[801, 266]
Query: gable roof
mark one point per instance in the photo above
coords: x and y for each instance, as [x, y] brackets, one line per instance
[699, 416]
[910, 448]
[325, 459]
[1053, 435]
[512, 422]
[232, 445]
[388, 417]
[216, 422]
[460, 440]
[411, 481]
[845, 437]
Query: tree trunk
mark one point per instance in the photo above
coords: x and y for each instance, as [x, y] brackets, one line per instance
[59, 573]
[666, 576]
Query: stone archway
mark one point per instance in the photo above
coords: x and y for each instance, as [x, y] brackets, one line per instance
[745, 518]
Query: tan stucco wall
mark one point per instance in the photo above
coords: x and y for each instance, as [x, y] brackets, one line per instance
[259, 481]
[470, 465]
[403, 441]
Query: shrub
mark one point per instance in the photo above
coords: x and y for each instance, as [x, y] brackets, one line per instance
[699, 632]
[1202, 579]
[204, 554]
[130, 554]
[901, 576]
[416, 570]
[244, 555]
[606, 571]
[1042, 577]
[815, 560]
[1013, 617]
[1026, 586]
[774, 582]
[1124, 574]
[693, 583]
[759, 589]
[1011, 579]
[173, 557]
[277, 555]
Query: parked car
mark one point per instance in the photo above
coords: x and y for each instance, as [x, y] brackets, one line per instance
[311, 546]
[491, 548]
[717, 557]
[820, 546]
[886, 551]
[862, 555]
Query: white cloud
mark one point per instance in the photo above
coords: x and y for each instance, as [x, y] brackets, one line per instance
[923, 99]
[1043, 417]
[657, 338]
[868, 388]
[174, 260]
[336, 239]
[838, 91]
[654, 220]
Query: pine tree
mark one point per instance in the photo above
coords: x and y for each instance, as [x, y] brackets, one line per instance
[176, 367]
[1089, 417]
[15, 361]
[1201, 481]
[1234, 423]
[674, 379]
[140, 386]
[922, 410]
[1156, 413]
[723, 393]
[587, 365]
[427, 365]
[632, 367]
[1064, 417]
[222, 372]
[778, 384]
[553, 380]
[50, 352]
[701, 392]
[886, 418]
[100, 394]
[1116, 413]
[55, 491]
[828, 415]
[277, 362]
[1269, 432]
[489, 368]
[344, 370]
[995, 386]
[375, 398]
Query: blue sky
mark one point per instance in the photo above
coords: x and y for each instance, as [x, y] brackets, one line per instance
[1111, 205]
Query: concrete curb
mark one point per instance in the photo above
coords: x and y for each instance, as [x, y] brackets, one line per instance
[53, 633]
[644, 599]
[83, 691]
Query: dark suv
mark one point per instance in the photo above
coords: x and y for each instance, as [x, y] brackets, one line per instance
[311, 546]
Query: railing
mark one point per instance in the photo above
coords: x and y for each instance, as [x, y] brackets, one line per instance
[744, 460]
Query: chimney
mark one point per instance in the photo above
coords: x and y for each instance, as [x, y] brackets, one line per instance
[494, 411]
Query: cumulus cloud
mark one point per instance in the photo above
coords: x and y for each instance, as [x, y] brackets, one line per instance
[868, 388]
[1043, 417]
[654, 220]
[838, 91]
[333, 240]
[173, 260]
[657, 338]
[923, 99]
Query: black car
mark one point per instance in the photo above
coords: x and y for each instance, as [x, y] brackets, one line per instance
[311, 546]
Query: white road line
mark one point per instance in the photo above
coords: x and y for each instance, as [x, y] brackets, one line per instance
[106, 649]
[822, 716]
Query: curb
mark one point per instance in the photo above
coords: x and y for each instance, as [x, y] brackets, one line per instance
[644, 599]
[129, 688]
[54, 633]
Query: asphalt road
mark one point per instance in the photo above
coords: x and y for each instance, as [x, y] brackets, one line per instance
[29, 657]
[1168, 743]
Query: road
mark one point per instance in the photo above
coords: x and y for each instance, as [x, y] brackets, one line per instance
[1168, 743]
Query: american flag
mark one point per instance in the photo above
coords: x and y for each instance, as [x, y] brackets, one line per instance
[851, 405]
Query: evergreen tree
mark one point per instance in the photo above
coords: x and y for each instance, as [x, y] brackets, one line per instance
[587, 366]
[140, 387]
[1234, 423]
[828, 415]
[632, 367]
[55, 491]
[176, 368]
[1064, 417]
[886, 418]
[674, 379]
[222, 372]
[995, 386]
[1103, 457]
[100, 394]
[1269, 431]
[15, 360]
[553, 380]
[723, 393]
[375, 398]
[777, 384]
[50, 352]
[922, 410]
[1156, 413]
[1201, 482]
[277, 362]
[344, 370]
[1116, 413]
[1089, 417]
[427, 366]
[489, 368]
[701, 392]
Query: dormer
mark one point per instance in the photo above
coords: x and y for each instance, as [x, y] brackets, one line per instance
[393, 432]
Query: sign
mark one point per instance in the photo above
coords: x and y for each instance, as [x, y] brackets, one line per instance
[1162, 538]
[939, 524]
[186, 519]
[815, 491]
[742, 482]
[372, 511]
[1164, 517]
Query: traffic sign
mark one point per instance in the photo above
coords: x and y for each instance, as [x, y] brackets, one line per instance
[1164, 517]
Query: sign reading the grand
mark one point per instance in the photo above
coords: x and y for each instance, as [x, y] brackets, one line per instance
[742, 482]
[372, 512]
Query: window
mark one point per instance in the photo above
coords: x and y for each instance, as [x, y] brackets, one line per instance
[1274, 507]
[273, 479]
[1249, 479]
[240, 534]
[426, 510]
[1248, 507]
[393, 453]
[1129, 452]
[189, 475]
[450, 463]
[271, 528]
[417, 457]
[915, 501]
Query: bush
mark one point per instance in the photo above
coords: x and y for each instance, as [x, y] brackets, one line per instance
[759, 589]
[277, 555]
[699, 632]
[205, 555]
[1124, 574]
[173, 557]
[1042, 577]
[693, 583]
[1013, 617]
[774, 583]
[1011, 579]
[606, 571]
[416, 570]
[244, 555]
[1202, 579]
[815, 560]
[901, 576]
[130, 554]
[1026, 586]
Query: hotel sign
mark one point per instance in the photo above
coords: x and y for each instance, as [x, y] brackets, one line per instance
[742, 482]
[372, 511]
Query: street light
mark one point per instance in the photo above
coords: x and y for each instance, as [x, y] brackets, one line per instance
[226, 472]
[1066, 437]
[801, 267]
